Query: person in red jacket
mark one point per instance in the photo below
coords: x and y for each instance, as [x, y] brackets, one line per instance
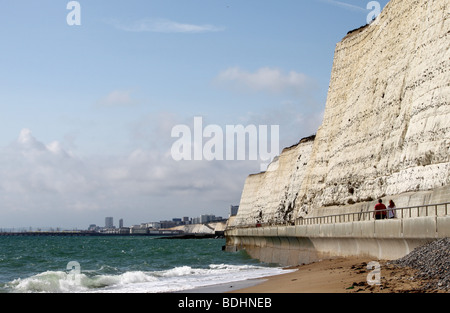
[380, 210]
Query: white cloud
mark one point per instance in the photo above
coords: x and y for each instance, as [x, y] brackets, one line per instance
[264, 79]
[345, 5]
[159, 25]
[56, 148]
[26, 140]
[118, 98]
[35, 167]
[294, 123]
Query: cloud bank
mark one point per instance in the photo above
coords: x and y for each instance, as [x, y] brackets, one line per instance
[265, 79]
[345, 5]
[118, 98]
[160, 25]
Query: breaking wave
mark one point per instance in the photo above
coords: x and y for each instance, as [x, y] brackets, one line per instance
[172, 280]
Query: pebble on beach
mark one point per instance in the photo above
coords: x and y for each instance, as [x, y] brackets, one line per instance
[432, 262]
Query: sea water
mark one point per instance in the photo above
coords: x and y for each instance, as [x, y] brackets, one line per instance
[120, 264]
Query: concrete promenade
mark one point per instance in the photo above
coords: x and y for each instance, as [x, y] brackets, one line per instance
[378, 239]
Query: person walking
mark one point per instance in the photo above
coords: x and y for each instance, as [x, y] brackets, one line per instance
[391, 212]
[380, 210]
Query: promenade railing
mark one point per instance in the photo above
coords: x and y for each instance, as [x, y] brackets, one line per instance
[439, 209]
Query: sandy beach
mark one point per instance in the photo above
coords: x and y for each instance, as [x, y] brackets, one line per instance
[423, 270]
[345, 275]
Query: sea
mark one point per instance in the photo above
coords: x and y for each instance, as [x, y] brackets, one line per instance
[121, 264]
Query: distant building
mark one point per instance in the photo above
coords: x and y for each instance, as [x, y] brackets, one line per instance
[154, 225]
[109, 222]
[121, 223]
[124, 230]
[139, 229]
[207, 218]
[234, 210]
[167, 224]
[116, 231]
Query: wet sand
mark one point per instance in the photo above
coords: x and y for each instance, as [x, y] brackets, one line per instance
[224, 288]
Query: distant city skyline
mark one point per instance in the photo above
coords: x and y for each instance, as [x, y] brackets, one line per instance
[203, 218]
[91, 90]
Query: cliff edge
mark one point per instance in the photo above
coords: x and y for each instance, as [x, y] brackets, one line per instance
[386, 126]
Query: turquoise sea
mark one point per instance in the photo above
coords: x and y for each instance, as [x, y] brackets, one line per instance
[121, 264]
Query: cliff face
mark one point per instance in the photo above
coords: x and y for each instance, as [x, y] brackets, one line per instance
[272, 195]
[386, 127]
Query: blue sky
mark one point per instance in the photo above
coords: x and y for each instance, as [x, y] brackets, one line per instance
[87, 111]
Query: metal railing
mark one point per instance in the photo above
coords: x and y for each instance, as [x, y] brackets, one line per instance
[439, 209]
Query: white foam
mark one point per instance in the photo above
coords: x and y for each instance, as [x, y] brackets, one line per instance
[172, 280]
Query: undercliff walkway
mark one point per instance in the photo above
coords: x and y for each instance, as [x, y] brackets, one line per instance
[340, 235]
[429, 210]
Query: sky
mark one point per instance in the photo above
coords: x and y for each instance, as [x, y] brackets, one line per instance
[90, 95]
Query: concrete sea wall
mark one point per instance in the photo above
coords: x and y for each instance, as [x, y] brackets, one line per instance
[302, 244]
[344, 235]
[351, 232]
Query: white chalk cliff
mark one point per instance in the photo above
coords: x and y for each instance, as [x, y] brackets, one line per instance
[386, 126]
